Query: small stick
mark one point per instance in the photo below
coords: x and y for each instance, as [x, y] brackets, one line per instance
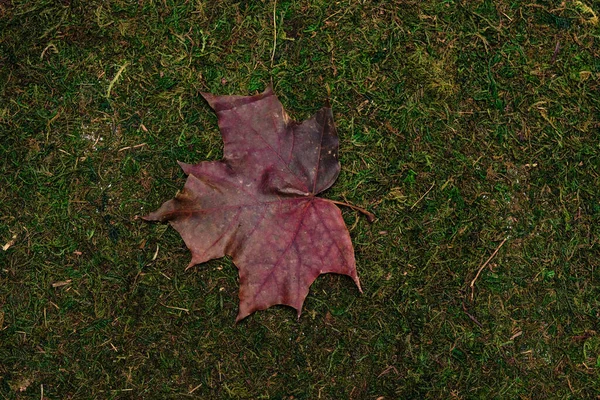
[10, 243]
[194, 389]
[556, 49]
[132, 147]
[274, 31]
[470, 316]
[114, 80]
[422, 197]
[61, 283]
[176, 308]
[370, 216]
[484, 265]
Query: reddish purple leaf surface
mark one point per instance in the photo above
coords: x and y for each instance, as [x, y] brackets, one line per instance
[259, 205]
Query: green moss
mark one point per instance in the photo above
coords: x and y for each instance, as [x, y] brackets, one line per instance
[461, 124]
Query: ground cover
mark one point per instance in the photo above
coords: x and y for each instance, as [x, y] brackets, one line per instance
[469, 128]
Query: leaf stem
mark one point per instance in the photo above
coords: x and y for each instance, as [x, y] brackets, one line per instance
[370, 216]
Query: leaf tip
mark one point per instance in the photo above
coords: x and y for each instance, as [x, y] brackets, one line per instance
[187, 168]
[241, 315]
[193, 263]
[357, 282]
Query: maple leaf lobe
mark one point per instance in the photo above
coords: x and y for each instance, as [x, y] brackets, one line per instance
[258, 204]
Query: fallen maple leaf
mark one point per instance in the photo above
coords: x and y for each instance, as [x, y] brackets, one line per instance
[258, 204]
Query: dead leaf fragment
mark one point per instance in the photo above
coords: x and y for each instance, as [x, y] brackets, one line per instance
[10, 242]
[20, 384]
[61, 283]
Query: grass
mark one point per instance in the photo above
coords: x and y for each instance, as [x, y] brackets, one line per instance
[461, 124]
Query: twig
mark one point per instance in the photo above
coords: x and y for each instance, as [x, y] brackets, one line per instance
[422, 197]
[50, 121]
[484, 265]
[370, 216]
[114, 80]
[176, 308]
[194, 389]
[61, 283]
[274, 31]
[556, 49]
[470, 316]
[10, 243]
[133, 147]
[387, 370]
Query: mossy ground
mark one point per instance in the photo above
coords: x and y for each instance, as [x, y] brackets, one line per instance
[462, 124]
